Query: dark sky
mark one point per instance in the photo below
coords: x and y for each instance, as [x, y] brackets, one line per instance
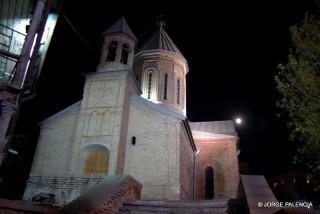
[233, 49]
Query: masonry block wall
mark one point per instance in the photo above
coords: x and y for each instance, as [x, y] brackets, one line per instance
[186, 166]
[100, 123]
[63, 189]
[154, 158]
[106, 197]
[220, 154]
[56, 137]
[99, 120]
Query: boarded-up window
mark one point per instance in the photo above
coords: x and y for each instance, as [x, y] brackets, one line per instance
[96, 162]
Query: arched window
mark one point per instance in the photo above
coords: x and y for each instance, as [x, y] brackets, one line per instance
[165, 90]
[112, 51]
[124, 54]
[96, 162]
[178, 91]
[150, 84]
[209, 175]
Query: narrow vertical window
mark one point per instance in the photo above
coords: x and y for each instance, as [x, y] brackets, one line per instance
[149, 85]
[165, 87]
[124, 54]
[112, 50]
[178, 91]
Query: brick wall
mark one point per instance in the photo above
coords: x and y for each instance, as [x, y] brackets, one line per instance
[220, 154]
[106, 197]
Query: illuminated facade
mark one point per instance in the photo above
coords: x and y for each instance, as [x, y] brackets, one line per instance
[132, 120]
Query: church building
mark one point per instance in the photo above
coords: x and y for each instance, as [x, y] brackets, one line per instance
[132, 121]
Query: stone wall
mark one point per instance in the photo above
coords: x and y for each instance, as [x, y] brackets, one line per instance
[62, 189]
[56, 137]
[221, 155]
[101, 118]
[154, 158]
[186, 166]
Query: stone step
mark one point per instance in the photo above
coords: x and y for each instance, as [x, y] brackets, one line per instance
[190, 204]
[174, 207]
[142, 207]
[172, 210]
[142, 211]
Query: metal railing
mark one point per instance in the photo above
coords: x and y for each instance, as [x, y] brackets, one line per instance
[11, 43]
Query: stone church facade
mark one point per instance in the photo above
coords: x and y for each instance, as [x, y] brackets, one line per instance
[132, 120]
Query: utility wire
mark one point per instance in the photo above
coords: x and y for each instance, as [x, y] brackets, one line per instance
[146, 31]
[77, 32]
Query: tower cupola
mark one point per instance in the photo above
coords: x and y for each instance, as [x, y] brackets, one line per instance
[161, 71]
[118, 47]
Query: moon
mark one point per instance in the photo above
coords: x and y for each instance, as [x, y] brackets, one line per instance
[238, 120]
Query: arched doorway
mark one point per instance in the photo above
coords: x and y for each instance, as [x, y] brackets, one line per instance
[209, 176]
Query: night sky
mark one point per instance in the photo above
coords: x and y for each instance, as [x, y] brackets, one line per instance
[232, 48]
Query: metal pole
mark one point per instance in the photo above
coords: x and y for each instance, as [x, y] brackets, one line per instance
[38, 41]
[9, 98]
[20, 74]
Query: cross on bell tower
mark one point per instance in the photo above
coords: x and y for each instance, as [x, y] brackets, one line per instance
[161, 21]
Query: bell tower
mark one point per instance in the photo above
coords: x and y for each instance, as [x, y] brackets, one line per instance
[103, 122]
[118, 47]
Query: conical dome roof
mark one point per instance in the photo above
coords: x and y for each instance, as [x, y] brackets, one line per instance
[121, 26]
[160, 40]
